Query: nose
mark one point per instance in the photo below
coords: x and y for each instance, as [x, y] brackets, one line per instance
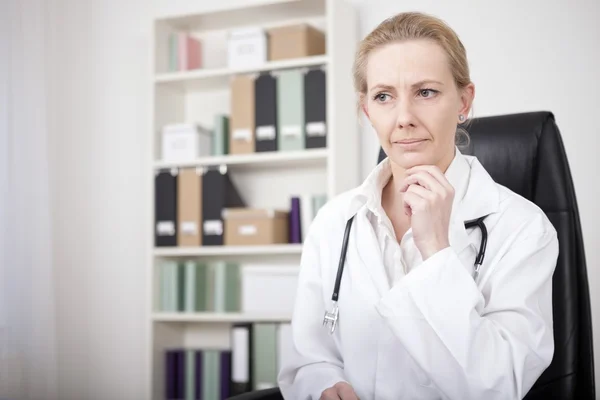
[405, 118]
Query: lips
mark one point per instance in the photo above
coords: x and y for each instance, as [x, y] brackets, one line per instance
[408, 141]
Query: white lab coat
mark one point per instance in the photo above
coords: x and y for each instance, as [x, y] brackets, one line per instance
[436, 333]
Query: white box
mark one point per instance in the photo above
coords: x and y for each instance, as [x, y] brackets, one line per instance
[246, 48]
[185, 142]
[269, 289]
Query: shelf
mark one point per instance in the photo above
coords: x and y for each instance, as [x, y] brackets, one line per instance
[203, 16]
[218, 317]
[276, 249]
[219, 77]
[312, 157]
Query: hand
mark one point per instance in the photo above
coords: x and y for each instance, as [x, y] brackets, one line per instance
[340, 390]
[428, 198]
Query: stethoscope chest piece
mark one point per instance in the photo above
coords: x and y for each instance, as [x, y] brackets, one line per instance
[331, 318]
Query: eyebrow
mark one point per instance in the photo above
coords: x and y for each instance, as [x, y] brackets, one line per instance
[384, 86]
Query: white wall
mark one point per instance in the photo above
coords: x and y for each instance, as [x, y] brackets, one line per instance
[100, 69]
[529, 56]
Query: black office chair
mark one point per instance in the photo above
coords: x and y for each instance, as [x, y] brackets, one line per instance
[525, 153]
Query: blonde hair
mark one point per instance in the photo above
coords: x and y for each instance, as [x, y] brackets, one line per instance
[412, 26]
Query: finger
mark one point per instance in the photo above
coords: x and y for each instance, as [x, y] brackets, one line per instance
[424, 179]
[346, 392]
[413, 203]
[422, 192]
[330, 394]
[434, 171]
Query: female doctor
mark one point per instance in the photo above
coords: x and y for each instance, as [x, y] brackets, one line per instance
[415, 321]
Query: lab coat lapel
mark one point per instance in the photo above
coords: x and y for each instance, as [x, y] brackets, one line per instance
[366, 260]
[476, 195]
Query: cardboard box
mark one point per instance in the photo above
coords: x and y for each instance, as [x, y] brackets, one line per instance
[295, 41]
[246, 48]
[242, 120]
[247, 226]
[185, 142]
[263, 283]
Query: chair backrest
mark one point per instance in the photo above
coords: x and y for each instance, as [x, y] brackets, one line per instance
[525, 153]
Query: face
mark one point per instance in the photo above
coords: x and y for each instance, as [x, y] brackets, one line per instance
[413, 103]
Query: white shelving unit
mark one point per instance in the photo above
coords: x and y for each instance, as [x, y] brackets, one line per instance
[264, 180]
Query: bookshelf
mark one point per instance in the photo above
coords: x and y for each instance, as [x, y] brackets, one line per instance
[196, 96]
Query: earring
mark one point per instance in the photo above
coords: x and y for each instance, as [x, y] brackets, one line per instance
[461, 118]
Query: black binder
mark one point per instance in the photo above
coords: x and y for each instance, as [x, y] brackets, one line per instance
[315, 110]
[165, 208]
[218, 192]
[265, 92]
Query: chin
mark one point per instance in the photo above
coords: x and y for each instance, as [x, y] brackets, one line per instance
[410, 158]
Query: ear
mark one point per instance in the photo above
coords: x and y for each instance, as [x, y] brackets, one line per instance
[467, 95]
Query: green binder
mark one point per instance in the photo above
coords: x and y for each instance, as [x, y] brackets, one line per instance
[220, 142]
[190, 375]
[264, 355]
[227, 287]
[211, 377]
[290, 110]
[169, 286]
[196, 282]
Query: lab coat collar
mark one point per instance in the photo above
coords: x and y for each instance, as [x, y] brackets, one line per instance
[475, 194]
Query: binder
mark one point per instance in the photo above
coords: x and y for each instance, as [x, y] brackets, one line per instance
[225, 374]
[290, 110]
[189, 206]
[265, 91]
[241, 361]
[196, 287]
[315, 108]
[190, 375]
[220, 140]
[264, 355]
[227, 286]
[242, 124]
[170, 374]
[165, 207]
[218, 192]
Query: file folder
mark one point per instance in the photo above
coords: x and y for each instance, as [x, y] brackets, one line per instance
[241, 361]
[290, 110]
[189, 203]
[241, 122]
[165, 207]
[218, 192]
[265, 88]
[315, 108]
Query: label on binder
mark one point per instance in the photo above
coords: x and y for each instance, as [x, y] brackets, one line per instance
[213, 227]
[189, 228]
[242, 134]
[316, 129]
[265, 132]
[165, 228]
[291, 130]
[247, 230]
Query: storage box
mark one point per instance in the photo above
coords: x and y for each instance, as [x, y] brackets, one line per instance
[247, 226]
[185, 142]
[295, 41]
[269, 289]
[242, 119]
[246, 48]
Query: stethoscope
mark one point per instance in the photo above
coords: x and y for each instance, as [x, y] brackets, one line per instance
[332, 317]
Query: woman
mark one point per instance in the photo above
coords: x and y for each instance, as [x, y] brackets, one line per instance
[415, 322]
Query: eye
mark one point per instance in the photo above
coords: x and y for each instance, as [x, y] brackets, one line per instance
[427, 93]
[381, 97]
